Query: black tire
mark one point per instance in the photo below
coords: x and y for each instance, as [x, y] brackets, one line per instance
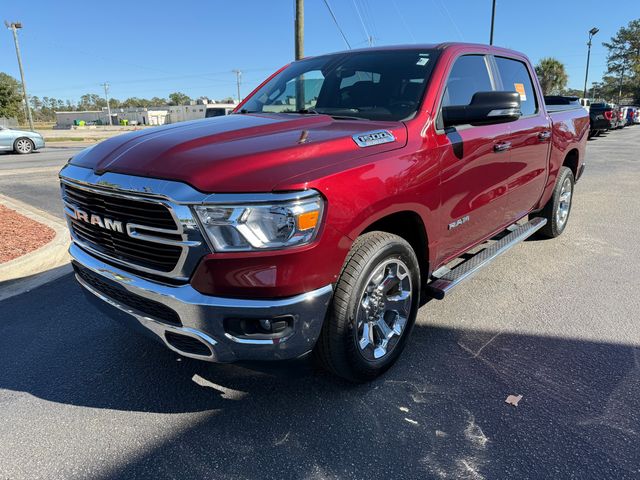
[339, 349]
[555, 226]
[23, 146]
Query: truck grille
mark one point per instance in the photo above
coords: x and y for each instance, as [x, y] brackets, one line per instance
[154, 255]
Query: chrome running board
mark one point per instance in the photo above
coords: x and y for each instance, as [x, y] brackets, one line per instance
[450, 278]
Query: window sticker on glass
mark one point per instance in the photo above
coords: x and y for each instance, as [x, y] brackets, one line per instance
[423, 60]
[520, 89]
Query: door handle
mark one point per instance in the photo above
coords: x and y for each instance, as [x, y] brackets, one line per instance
[502, 146]
[544, 135]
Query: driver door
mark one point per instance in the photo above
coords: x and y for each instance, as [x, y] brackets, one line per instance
[473, 164]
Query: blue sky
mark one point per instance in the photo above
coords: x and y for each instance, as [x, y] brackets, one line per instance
[150, 48]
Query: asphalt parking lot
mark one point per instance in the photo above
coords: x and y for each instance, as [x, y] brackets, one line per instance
[33, 178]
[554, 321]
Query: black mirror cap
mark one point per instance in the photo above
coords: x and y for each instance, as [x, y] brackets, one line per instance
[486, 108]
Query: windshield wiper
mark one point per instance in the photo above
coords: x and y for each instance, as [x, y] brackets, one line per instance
[312, 111]
[346, 117]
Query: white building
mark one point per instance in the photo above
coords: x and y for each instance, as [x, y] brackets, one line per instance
[133, 116]
[198, 109]
[146, 116]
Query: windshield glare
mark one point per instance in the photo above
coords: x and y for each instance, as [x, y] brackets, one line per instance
[372, 85]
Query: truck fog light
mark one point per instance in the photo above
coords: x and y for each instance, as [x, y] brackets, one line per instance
[265, 324]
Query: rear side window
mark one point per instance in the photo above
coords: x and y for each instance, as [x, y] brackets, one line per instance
[468, 76]
[515, 77]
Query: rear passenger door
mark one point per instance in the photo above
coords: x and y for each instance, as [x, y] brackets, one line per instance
[530, 140]
[472, 163]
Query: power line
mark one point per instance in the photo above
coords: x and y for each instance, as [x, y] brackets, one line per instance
[404, 23]
[369, 18]
[364, 27]
[335, 20]
[453, 22]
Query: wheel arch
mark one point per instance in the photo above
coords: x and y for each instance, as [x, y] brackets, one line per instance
[409, 225]
[572, 160]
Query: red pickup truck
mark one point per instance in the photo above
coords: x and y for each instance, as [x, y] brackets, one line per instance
[343, 191]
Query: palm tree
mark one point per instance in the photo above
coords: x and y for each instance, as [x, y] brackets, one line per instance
[552, 75]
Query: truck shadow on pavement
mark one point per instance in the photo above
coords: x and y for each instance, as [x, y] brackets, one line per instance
[439, 413]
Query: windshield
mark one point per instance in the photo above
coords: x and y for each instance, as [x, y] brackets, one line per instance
[370, 85]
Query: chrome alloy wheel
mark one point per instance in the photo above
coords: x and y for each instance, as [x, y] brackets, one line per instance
[24, 145]
[564, 203]
[383, 310]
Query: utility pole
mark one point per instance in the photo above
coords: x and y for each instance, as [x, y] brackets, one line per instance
[14, 26]
[493, 17]
[106, 96]
[299, 29]
[592, 32]
[238, 78]
[299, 52]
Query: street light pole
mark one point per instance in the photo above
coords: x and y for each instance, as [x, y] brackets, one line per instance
[592, 32]
[106, 96]
[493, 17]
[14, 26]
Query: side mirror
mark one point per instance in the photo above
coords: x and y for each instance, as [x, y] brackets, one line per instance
[486, 108]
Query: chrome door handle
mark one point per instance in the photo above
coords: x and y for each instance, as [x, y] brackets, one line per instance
[502, 146]
[544, 135]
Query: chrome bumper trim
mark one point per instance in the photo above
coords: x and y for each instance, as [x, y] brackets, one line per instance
[202, 315]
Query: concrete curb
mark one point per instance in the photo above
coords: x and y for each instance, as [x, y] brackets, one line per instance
[40, 266]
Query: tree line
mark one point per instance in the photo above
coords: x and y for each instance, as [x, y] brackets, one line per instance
[43, 108]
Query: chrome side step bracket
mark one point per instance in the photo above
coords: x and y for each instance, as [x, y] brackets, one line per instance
[441, 285]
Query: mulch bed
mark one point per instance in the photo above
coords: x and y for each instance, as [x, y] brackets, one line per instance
[20, 235]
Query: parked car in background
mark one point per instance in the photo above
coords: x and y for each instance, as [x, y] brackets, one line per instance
[20, 141]
[319, 216]
[602, 118]
[630, 113]
[586, 103]
[621, 118]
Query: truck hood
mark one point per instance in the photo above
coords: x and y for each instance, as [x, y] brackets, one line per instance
[238, 153]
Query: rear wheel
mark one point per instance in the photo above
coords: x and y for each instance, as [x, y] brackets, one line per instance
[23, 145]
[558, 208]
[373, 310]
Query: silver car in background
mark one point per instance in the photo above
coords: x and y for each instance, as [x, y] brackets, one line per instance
[20, 141]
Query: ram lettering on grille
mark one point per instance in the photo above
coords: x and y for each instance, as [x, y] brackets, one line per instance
[106, 223]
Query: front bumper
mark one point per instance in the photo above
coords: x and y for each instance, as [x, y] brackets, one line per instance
[199, 329]
[38, 142]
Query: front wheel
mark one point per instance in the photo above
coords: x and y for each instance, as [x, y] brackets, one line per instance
[373, 310]
[23, 145]
[558, 208]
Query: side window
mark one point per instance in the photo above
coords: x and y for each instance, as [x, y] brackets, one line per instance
[468, 76]
[515, 77]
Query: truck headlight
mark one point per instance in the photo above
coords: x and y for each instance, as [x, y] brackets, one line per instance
[261, 226]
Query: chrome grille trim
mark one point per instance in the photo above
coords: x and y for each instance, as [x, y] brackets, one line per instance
[189, 237]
